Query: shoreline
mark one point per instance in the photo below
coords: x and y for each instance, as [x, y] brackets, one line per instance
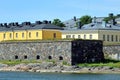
[52, 68]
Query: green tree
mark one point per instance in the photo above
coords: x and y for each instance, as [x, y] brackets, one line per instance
[85, 20]
[58, 22]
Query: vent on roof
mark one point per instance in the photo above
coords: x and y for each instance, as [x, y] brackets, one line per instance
[38, 22]
[16, 24]
[1, 25]
[26, 23]
[49, 22]
[11, 24]
[5, 25]
[45, 22]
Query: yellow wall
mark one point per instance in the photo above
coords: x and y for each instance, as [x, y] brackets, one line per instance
[19, 35]
[8, 35]
[33, 34]
[49, 34]
[1, 36]
[30, 35]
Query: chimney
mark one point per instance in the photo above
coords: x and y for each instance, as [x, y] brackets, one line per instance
[26, 23]
[45, 22]
[49, 22]
[5, 24]
[11, 24]
[103, 24]
[94, 20]
[79, 25]
[113, 21]
[1, 25]
[16, 24]
[75, 18]
[38, 22]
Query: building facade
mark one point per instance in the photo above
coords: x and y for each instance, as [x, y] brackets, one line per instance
[25, 31]
[95, 31]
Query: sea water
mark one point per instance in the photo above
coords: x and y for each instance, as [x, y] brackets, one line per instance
[56, 76]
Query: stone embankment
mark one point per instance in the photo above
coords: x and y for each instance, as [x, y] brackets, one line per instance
[50, 67]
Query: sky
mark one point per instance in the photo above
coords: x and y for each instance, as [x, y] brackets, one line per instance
[34, 10]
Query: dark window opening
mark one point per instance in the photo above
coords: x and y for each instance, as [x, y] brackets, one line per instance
[49, 57]
[30, 34]
[16, 35]
[25, 57]
[4, 36]
[10, 35]
[16, 57]
[22, 35]
[54, 35]
[37, 57]
[112, 38]
[103, 37]
[60, 58]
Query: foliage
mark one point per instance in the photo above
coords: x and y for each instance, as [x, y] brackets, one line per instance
[108, 62]
[111, 17]
[58, 22]
[85, 20]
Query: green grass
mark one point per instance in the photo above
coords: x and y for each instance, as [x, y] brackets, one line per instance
[15, 62]
[108, 62]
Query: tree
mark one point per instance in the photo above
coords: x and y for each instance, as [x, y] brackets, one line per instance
[58, 22]
[85, 20]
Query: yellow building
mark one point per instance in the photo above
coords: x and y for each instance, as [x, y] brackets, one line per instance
[28, 31]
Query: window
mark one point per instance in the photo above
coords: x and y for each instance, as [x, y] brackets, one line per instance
[79, 36]
[54, 35]
[37, 57]
[60, 58]
[25, 57]
[49, 57]
[107, 37]
[16, 57]
[4, 36]
[73, 36]
[103, 37]
[111, 37]
[84, 36]
[90, 36]
[68, 36]
[10, 35]
[116, 38]
[29, 34]
[16, 35]
[37, 34]
[22, 35]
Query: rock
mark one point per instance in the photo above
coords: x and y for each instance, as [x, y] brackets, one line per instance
[3, 65]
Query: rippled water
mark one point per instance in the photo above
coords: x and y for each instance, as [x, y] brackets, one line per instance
[56, 76]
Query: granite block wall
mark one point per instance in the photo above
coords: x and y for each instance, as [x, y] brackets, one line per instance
[48, 50]
[112, 52]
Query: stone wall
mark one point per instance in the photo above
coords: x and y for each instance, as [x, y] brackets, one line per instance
[71, 52]
[48, 50]
[112, 52]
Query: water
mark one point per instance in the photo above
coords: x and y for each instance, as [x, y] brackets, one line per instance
[56, 76]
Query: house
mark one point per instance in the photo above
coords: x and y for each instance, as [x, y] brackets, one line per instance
[29, 31]
[108, 33]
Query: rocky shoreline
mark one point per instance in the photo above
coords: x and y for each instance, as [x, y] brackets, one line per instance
[50, 67]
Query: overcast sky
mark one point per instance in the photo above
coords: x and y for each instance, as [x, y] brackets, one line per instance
[32, 10]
